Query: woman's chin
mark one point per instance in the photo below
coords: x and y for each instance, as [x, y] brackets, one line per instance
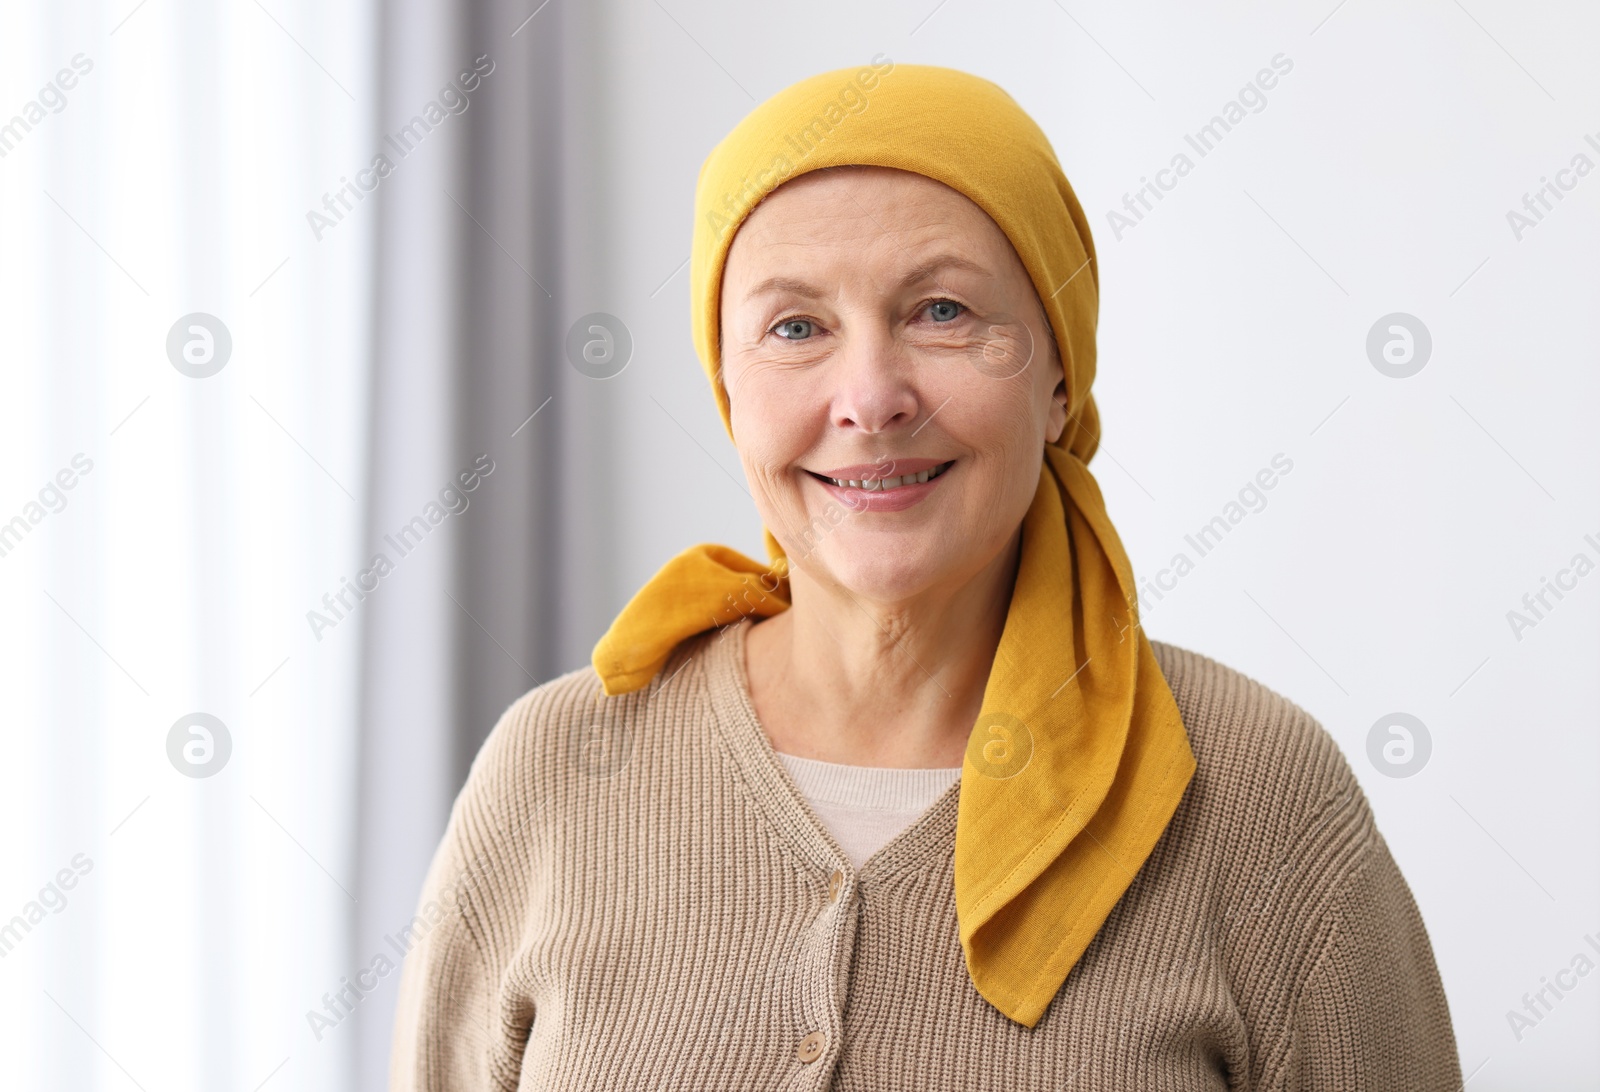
[873, 576]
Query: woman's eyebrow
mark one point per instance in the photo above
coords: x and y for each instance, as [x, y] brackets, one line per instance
[788, 285]
[923, 272]
[929, 270]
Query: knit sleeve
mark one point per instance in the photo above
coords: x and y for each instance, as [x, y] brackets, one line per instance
[458, 1026]
[1372, 1013]
[442, 1022]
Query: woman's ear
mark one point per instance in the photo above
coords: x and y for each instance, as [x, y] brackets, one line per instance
[1056, 424]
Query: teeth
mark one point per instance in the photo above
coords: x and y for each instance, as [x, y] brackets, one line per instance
[879, 485]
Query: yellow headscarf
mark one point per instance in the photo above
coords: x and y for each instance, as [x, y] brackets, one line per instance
[1079, 758]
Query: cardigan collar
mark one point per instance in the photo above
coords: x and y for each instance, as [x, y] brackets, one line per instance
[927, 844]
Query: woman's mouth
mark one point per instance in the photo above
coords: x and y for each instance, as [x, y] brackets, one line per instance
[888, 484]
[877, 488]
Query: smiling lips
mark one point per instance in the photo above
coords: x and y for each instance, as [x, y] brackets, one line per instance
[888, 486]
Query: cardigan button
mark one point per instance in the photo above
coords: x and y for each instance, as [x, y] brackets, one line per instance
[835, 885]
[811, 1047]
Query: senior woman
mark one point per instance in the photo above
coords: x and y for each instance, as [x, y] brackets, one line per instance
[919, 805]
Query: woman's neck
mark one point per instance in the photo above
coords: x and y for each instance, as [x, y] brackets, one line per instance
[842, 679]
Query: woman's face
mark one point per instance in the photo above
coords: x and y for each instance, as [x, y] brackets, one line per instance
[891, 378]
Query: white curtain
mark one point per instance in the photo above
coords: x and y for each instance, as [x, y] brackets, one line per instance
[167, 919]
[286, 290]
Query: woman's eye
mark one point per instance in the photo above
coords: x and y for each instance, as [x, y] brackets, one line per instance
[944, 310]
[797, 329]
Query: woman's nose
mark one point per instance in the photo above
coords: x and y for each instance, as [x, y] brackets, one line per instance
[874, 390]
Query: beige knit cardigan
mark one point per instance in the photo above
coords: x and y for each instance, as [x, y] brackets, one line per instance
[632, 894]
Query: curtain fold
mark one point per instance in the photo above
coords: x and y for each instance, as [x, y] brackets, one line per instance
[477, 274]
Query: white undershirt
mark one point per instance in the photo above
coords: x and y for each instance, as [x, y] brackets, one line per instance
[864, 807]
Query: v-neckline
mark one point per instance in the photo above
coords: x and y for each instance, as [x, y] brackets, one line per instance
[928, 842]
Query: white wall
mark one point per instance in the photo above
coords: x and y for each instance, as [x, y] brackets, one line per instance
[1235, 316]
